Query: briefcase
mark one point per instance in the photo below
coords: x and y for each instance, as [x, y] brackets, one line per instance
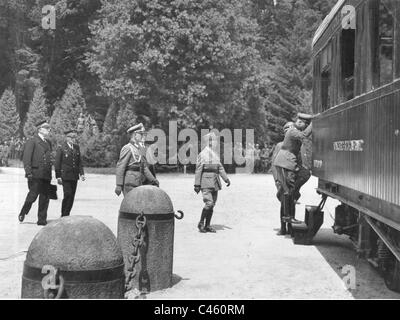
[53, 192]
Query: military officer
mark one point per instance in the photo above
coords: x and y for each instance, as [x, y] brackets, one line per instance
[132, 168]
[68, 167]
[37, 164]
[286, 164]
[207, 179]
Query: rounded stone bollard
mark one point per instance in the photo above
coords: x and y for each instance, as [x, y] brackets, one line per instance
[151, 269]
[75, 257]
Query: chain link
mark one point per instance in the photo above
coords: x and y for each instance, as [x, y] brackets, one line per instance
[134, 258]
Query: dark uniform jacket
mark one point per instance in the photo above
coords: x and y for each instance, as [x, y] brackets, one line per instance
[37, 158]
[289, 154]
[68, 163]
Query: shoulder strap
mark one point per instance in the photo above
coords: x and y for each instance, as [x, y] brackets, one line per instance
[133, 153]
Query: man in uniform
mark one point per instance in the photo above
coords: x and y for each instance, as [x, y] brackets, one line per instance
[274, 172]
[68, 167]
[275, 151]
[257, 159]
[287, 166]
[207, 179]
[37, 164]
[132, 168]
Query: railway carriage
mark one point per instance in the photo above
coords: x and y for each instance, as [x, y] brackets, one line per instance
[356, 137]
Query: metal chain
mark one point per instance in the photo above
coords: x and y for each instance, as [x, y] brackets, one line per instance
[134, 258]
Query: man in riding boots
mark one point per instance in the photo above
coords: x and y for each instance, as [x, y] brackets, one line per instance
[207, 180]
[287, 166]
[132, 168]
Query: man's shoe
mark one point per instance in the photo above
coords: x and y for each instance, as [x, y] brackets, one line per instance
[295, 221]
[210, 229]
[281, 232]
[201, 227]
[41, 223]
[21, 217]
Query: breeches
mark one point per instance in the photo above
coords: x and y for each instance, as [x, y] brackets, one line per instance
[209, 198]
[287, 182]
[303, 175]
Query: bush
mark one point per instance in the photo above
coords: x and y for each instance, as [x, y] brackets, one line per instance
[97, 151]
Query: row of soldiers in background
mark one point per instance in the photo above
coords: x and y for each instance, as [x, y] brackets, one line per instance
[11, 149]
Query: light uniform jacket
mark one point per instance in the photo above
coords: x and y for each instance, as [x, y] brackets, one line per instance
[208, 171]
[274, 154]
[132, 166]
[289, 154]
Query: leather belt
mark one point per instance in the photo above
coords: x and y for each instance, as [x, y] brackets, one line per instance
[133, 169]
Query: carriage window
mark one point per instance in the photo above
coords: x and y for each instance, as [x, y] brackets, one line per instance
[326, 75]
[325, 86]
[347, 59]
[386, 32]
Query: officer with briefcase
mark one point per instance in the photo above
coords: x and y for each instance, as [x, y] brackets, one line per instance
[37, 164]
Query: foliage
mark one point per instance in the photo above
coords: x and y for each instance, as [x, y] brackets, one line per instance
[207, 64]
[38, 110]
[67, 111]
[174, 59]
[9, 118]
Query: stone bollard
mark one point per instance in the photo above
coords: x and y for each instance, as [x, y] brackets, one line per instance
[75, 257]
[146, 236]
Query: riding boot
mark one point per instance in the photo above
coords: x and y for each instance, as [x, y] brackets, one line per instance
[208, 228]
[202, 218]
[282, 231]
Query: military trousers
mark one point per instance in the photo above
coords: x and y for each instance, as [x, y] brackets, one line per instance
[209, 198]
[69, 188]
[287, 182]
[37, 187]
[302, 176]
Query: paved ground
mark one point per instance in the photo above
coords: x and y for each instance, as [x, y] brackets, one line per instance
[245, 259]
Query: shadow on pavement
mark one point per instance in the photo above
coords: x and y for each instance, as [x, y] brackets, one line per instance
[220, 227]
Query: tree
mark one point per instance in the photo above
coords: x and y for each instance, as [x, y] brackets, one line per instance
[67, 111]
[62, 51]
[9, 118]
[286, 33]
[37, 111]
[175, 59]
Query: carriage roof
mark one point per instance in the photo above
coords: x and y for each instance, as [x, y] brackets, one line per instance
[325, 23]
